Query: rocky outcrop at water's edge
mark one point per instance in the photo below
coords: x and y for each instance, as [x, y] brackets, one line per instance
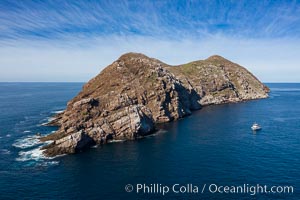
[130, 96]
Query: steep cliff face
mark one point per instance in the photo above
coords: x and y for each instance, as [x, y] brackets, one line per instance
[135, 92]
[218, 80]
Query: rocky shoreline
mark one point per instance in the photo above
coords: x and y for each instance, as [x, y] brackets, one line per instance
[133, 94]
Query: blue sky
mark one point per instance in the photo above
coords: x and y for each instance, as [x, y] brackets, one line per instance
[74, 40]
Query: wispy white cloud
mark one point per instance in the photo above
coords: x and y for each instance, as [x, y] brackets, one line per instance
[271, 60]
[163, 19]
[73, 40]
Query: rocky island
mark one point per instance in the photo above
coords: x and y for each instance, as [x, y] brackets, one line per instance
[133, 94]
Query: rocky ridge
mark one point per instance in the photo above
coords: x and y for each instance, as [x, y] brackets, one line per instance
[130, 96]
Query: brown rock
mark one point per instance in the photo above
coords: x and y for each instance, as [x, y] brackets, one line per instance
[135, 92]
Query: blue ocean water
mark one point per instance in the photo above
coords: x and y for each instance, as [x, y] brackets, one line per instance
[212, 146]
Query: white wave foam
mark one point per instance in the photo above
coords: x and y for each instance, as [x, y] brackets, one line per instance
[48, 163]
[27, 142]
[26, 131]
[95, 146]
[50, 119]
[161, 131]
[35, 154]
[115, 141]
[8, 135]
[151, 135]
[50, 158]
[58, 111]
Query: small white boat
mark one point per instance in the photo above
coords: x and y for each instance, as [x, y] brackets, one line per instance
[256, 127]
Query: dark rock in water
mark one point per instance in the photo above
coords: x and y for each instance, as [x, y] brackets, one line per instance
[75, 142]
[131, 95]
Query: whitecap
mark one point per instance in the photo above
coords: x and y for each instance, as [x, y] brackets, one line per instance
[8, 135]
[26, 131]
[29, 141]
[35, 154]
